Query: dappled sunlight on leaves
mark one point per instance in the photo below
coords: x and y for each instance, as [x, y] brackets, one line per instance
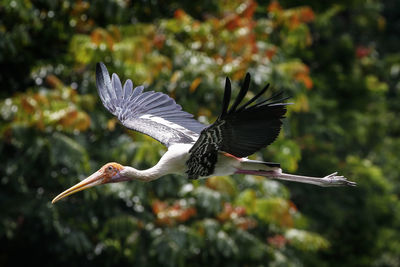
[47, 110]
[178, 212]
[305, 241]
[238, 216]
[287, 152]
[223, 184]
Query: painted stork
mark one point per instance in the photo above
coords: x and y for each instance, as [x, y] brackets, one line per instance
[195, 150]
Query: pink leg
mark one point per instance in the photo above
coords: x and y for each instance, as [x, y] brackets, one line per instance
[329, 180]
[253, 172]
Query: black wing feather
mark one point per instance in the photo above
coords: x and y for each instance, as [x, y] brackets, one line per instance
[246, 132]
[254, 98]
[151, 113]
[242, 93]
[238, 131]
[227, 97]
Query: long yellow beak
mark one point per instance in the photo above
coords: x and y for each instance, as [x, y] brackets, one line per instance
[94, 179]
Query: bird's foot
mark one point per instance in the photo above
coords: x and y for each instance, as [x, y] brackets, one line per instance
[335, 180]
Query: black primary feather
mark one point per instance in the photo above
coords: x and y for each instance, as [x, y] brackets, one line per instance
[254, 98]
[240, 130]
[242, 93]
[227, 97]
[151, 113]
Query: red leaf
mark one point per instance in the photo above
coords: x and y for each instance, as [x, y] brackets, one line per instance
[362, 51]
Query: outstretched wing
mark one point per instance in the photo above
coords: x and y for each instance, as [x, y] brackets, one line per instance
[240, 131]
[151, 113]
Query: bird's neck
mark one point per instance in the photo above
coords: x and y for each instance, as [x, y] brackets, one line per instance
[148, 175]
[173, 161]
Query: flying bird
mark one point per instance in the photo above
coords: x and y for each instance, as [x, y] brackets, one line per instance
[196, 150]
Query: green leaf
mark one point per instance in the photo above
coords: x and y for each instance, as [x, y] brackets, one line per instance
[208, 200]
[274, 210]
[305, 240]
[223, 184]
[247, 199]
[66, 151]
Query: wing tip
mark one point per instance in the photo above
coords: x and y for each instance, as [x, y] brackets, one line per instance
[100, 68]
[242, 93]
[227, 97]
[247, 77]
[275, 99]
[101, 74]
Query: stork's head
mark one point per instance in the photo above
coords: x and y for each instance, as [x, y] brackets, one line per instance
[109, 173]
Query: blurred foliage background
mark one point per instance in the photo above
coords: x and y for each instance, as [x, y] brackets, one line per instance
[339, 60]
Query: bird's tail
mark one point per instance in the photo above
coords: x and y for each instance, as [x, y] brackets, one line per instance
[273, 171]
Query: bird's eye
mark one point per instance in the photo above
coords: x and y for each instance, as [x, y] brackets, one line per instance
[110, 168]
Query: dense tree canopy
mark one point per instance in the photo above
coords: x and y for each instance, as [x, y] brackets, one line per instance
[339, 62]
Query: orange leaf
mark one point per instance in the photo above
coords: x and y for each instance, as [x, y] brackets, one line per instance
[294, 21]
[82, 122]
[110, 41]
[274, 6]
[158, 206]
[196, 82]
[249, 10]
[53, 81]
[186, 214]
[277, 241]
[159, 40]
[180, 14]
[111, 124]
[41, 99]
[27, 106]
[115, 33]
[175, 76]
[270, 53]
[240, 211]
[232, 22]
[96, 36]
[69, 118]
[305, 79]
[246, 223]
[307, 14]
[239, 74]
